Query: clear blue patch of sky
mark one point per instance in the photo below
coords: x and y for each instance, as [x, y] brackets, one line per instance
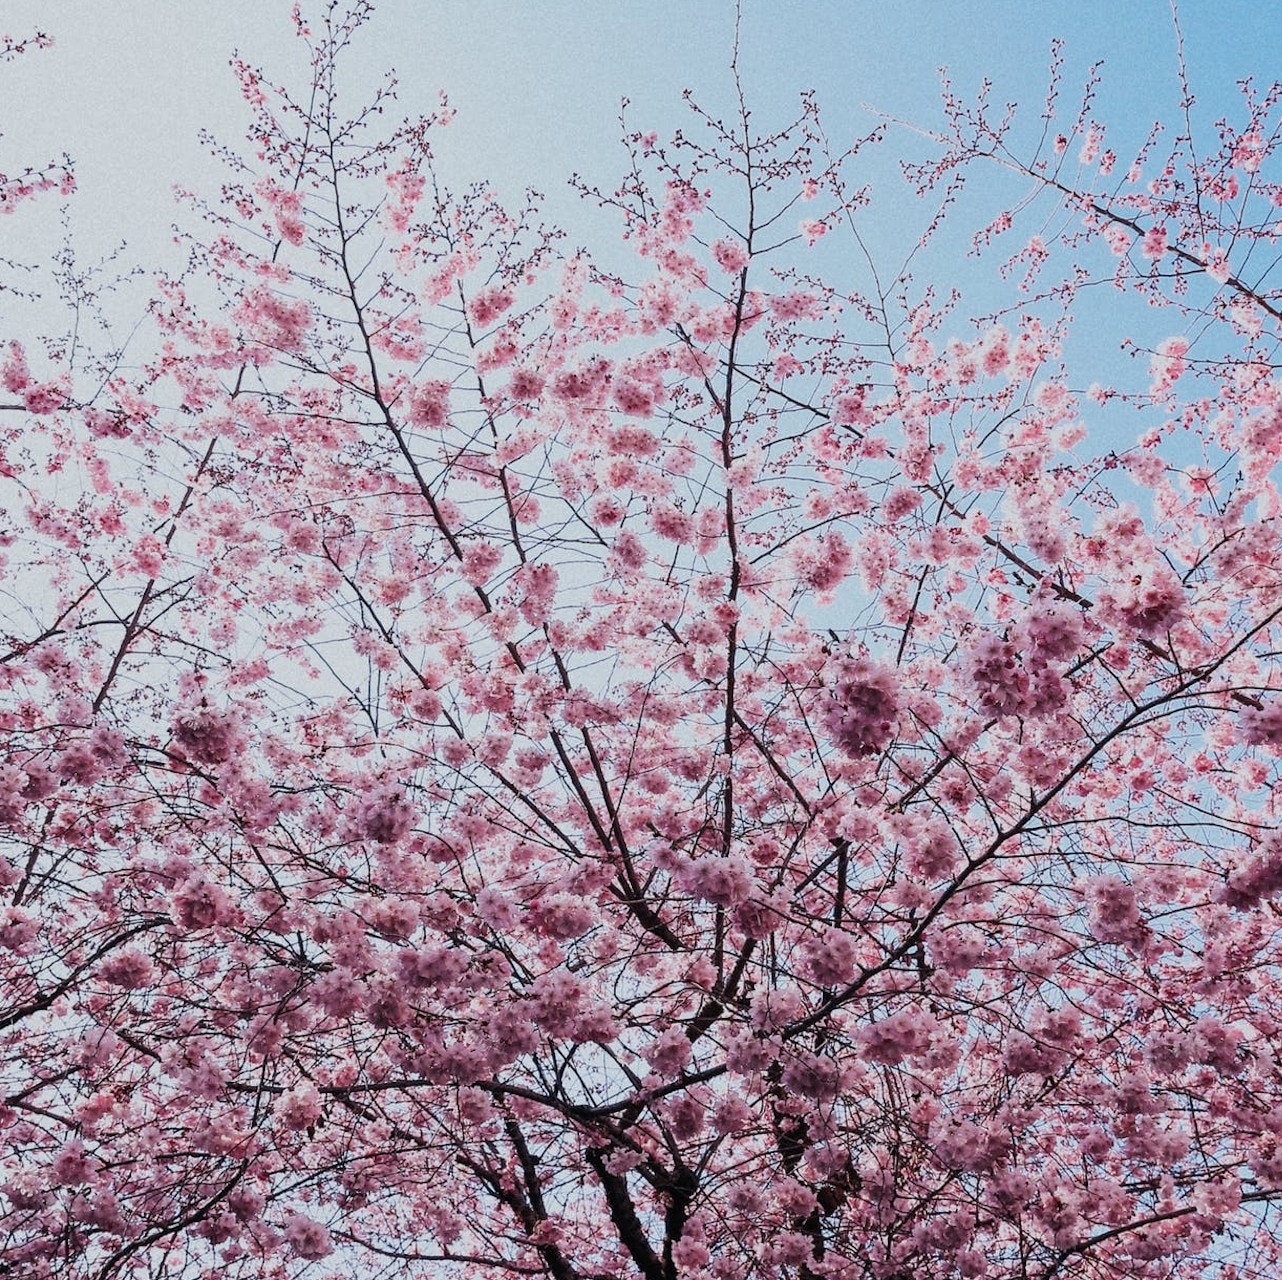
[538, 85]
[538, 82]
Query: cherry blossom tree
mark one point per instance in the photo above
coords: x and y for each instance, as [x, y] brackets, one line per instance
[728, 766]
[55, 175]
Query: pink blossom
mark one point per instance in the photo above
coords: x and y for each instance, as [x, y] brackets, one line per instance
[1168, 364]
[1115, 915]
[1217, 1045]
[1248, 152]
[831, 959]
[100, 754]
[429, 404]
[1025, 1055]
[996, 676]
[812, 1076]
[1118, 238]
[1217, 265]
[726, 882]
[480, 560]
[525, 384]
[307, 1238]
[586, 386]
[830, 564]
[71, 1165]
[300, 1106]
[630, 550]
[797, 305]
[995, 352]
[39, 781]
[383, 816]
[1255, 877]
[1154, 243]
[519, 757]
[101, 1209]
[861, 712]
[564, 915]
[489, 304]
[776, 1007]
[14, 374]
[27, 1191]
[901, 501]
[731, 256]
[44, 397]
[200, 903]
[670, 1053]
[338, 994]
[1149, 600]
[275, 321]
[208, 736]
[672, 523]
[959, 1143]
[852, 410]
[496, 908]
[933, 853]
[1263, 726]
[131, 969]
[903, 1034]
[286, 206]
[556, 1002]
[246, 1202]
[1054, 630]
[538, 584]
[18, 929]
[1091, 145]
[395, 919]
[634, 399]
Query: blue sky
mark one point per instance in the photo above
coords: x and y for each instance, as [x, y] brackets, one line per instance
[538, 82]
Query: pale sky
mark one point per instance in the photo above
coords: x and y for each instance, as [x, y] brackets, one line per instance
[537, 85]
[538, 82]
